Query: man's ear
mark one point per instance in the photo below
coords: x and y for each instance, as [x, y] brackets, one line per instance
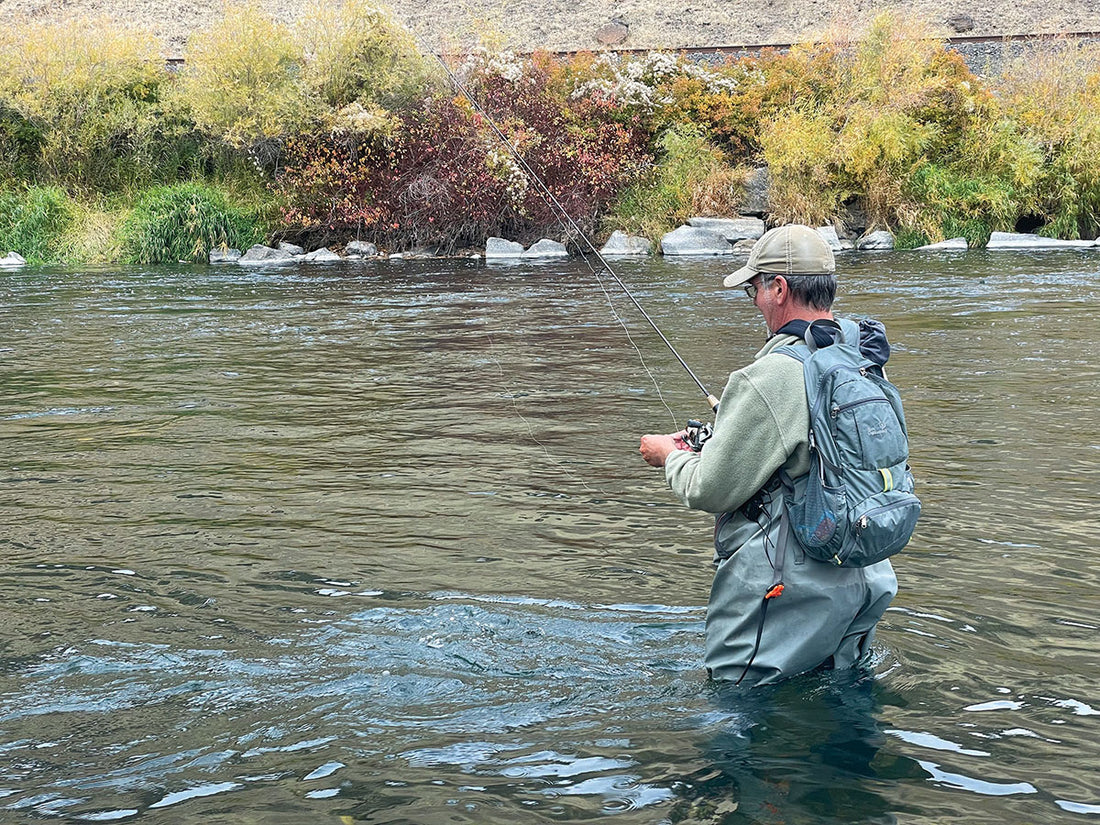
[782, 289]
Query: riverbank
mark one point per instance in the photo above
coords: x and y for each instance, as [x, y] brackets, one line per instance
[346, 131]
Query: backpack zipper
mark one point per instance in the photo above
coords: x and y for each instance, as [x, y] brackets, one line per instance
[837, 409]
[864, 520]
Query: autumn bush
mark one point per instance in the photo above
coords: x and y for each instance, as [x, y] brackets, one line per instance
[80, 106]
[338, 127]
[444, 177]
[1049, 99]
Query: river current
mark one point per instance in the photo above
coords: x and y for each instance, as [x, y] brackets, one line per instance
[373, 543]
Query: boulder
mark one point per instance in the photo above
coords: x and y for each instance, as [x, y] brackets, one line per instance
[949, 244]
[613, 33]
[757, 188]
[622, 244]
[13, 260]
[744, 245]
[321, 256]
[546, 248]
[500, 248]
[260, 254]
[961, 23]
[732, 229]
[880, 239]
[361, 249]
[1021, 240]
[689, 240]
[224, 255]
[293, 249]
[831, 238]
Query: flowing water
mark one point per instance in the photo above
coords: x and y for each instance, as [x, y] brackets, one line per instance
[374, 544]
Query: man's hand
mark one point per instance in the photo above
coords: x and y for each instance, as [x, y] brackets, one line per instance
[655, 449]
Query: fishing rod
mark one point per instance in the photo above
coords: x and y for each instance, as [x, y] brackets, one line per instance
[549, 198]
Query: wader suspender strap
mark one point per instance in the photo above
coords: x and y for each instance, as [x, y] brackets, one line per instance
[776, 588]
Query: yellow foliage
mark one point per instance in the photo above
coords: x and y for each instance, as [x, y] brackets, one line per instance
[89, 88]
[799, 147]
[1054, 90]
[720, 191]
[53, 72]
[243, 79]
[357, 53]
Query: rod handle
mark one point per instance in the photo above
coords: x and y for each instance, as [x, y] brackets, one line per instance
[713, 402]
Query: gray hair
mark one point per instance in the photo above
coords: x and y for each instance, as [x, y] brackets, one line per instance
[814, 291]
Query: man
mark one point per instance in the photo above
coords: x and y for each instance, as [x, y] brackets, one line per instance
[773, 612]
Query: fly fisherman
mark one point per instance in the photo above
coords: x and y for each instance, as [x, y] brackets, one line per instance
[774, 612]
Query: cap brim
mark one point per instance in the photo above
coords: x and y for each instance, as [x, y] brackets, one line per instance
[741, 276]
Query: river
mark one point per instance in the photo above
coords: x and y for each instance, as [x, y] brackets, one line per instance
[373, 543]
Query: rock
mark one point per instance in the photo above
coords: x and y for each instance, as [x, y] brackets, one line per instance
[876, 240]
[361, 249]
[757, 188]
[853, 219]
[622, 244]
[260, 254]
[546, 248]
[13, 260]
[321, 256]
[689, 240]
[961, 23]
[500, 248]
[745, 245]
[613, 33]
[830, 236]
[1021, 240]
[224, 255]
[291, 248]
[732, 229]
[950, 244]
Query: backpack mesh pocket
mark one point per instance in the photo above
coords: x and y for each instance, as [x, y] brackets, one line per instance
[819, 519]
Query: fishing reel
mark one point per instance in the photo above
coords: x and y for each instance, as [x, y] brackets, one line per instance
[696, 434]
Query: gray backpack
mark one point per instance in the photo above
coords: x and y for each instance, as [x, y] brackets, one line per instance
[858, 506]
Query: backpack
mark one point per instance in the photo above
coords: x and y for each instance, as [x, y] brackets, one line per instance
[858, 505]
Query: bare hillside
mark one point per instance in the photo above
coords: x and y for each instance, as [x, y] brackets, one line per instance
[564, 25]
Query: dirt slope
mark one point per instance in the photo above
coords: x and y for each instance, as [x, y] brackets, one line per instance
[565, 25]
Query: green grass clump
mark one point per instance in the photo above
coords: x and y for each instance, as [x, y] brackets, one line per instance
[691, 177]
[183, 223]
[33, 222]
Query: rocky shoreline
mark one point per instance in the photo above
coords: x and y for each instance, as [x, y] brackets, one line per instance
[701, 237]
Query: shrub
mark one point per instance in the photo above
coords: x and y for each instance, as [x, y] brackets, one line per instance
[85, 96]
[358, 54]
[690, 177]
[443, 177]
[860, 117]
[183, 223]
[20, 145]
[33, 222]
[1052, 94]
[243, 82]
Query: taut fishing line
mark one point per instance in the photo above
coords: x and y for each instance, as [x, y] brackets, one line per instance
[551, 201]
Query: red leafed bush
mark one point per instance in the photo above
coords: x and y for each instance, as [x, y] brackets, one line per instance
[444, 178]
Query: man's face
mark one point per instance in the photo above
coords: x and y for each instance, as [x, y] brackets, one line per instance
[761, 289]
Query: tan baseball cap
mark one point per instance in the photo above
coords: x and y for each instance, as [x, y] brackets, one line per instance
[793, 249]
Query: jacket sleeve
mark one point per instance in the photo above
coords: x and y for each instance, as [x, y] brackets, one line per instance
[762, 420]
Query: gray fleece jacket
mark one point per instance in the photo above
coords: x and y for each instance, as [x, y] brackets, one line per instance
[826, 615]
